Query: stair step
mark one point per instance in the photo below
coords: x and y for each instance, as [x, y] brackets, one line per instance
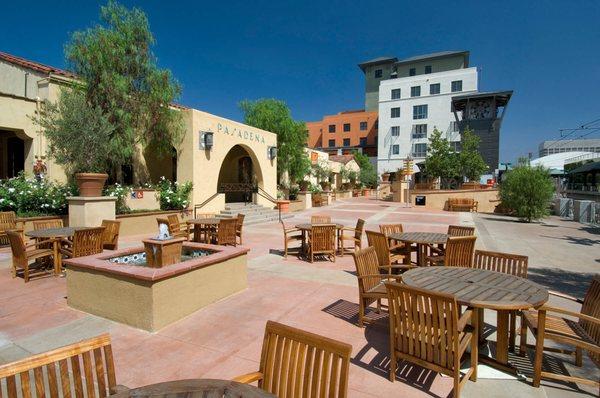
[254, 213]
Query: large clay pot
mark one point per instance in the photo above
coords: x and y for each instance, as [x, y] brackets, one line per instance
[385, 177]
[304, 185]
[283, 205]
[90, 184]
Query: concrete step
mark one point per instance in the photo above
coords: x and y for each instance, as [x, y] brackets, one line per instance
[254, 214]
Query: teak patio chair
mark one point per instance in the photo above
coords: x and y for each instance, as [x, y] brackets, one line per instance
[239, 226]
[8, 221]
[178, 229]
[582, 333]
[512, 264]
[388, 229]
[290, 235]
[457, 253]
[85, 242]
[389, 261]
[320, 219]
[226, 233]
[110, 237]
[321, 240]
[355, 236]
[295, 363]
[370, 281]
[46, 224]
[427, 328]
[21, 256]
[94, 354]
[459, 230]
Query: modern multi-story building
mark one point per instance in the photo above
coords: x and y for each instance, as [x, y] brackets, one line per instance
[345, 132]
[415, 97]
[569, 145]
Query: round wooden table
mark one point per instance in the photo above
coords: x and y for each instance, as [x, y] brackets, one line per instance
[202, 227]
[423, 240]
[54, 233]
[482, 289]
[197, 388]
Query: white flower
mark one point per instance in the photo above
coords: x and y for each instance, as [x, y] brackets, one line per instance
[11, 190]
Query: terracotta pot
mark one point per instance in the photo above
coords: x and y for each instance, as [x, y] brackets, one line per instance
[325, 185]
[283, 205]
[304, 185]
[365, 192]
[385, 177]
[90, 184]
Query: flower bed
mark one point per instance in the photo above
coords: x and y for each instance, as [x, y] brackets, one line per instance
[30, 197]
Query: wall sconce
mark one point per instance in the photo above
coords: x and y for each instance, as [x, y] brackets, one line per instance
[272, 152]
[206, 140]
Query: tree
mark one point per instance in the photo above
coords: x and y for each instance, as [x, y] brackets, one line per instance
[78, 134]
[368, 174]
[118, 70]
[441, 162]
[274, 115]
[527, 191]
[471, 163]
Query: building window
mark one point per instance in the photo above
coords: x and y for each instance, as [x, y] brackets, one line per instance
[419, 131]
[363, 126]
[331, 143]
[456, 86]
[415, 91]
[434, 88]
[412, 72]
[346, 141]
[346, 126]
[395, 149]
[396, 93]
[378, 73]
[363, 141]
[455, 146]
[427, 69]
[419, 150]
[332, 128]
[454, 126]
[420, 112]
[395, 131]
[395, 112]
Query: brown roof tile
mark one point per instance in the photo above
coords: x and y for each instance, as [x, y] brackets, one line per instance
[13, 59]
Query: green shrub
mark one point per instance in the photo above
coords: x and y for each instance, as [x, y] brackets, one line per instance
[121, 193]
[31, 197]
[527, 191]
[173, 196]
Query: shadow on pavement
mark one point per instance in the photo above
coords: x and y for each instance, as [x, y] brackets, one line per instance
[573, 283]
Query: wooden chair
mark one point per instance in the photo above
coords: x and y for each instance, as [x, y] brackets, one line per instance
[226, 233]
[512, 264]
[462, 204]
[8, 222]
[94, 354]
[355, 237]
[110, 237]
[178, 229]
[239, 225]
[295, 364]
[21, 256]
[321, 240]
[427, 328]
[387, 230]
[46, 224]
[370, 281]
[290, 235]
[459, 230]
[320, 219]
[387, 260]
[583, 333]
[458, 252]
[85, 242]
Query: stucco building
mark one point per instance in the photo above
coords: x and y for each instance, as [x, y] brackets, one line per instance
[569, 145]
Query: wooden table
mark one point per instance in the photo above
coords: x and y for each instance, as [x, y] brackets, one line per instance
[306, 227]
[56, 234]
[208, 388]
[482, 289]
[423, 240]
[203, 225]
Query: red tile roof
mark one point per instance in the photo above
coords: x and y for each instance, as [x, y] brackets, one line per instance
[341, 158]
[34, 65]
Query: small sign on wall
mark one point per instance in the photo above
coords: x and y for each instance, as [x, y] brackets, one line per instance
[420, 200]
[137, 194]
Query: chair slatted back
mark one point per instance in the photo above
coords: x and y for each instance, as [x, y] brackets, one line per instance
[591, 307]
[424, 324]
[459, 251]
[110, 237]
[17, 246]
[82, 368]
[240, 222]
[8, 220]
[320, 219]
[296, 363]
[366, 263]
[46, 224]
[512, 264]
[226, 233]
[459, 230]
[388, 229]
[360, 227]
[381, 245]
[87, 241]
[174, 224]
[322, 238]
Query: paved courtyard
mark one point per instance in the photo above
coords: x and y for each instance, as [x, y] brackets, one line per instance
[224, 339]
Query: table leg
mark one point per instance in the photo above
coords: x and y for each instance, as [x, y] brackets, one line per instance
[502, 337]
[421, 255]
[56, 255]
[407, 253]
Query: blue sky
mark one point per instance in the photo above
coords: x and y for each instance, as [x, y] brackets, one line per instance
[306, 52]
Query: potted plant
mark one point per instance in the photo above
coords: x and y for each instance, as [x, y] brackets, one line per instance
[294, 192]
[304, 185]
[385, 177]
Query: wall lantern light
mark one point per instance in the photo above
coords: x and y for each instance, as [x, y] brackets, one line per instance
[206, 140]
[272, 152]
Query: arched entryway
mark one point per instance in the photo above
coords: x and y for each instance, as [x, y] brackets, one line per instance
[239, 175]
[12, 154]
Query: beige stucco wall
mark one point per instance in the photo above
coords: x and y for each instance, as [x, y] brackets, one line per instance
[487, 198]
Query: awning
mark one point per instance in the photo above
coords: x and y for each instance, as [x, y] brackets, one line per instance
[586, 168]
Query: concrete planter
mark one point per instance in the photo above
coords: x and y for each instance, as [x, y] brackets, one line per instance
[90, 184]
[283, 205]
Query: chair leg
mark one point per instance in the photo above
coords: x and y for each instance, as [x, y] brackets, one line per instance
[285, 248]
[379, 306]
[393, 365]
[523, 337]
[26, 273]
[361, 313]
[578, 357]
[456, 391]
[539, 348]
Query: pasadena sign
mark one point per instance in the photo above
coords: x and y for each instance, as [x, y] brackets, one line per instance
[243, 134]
